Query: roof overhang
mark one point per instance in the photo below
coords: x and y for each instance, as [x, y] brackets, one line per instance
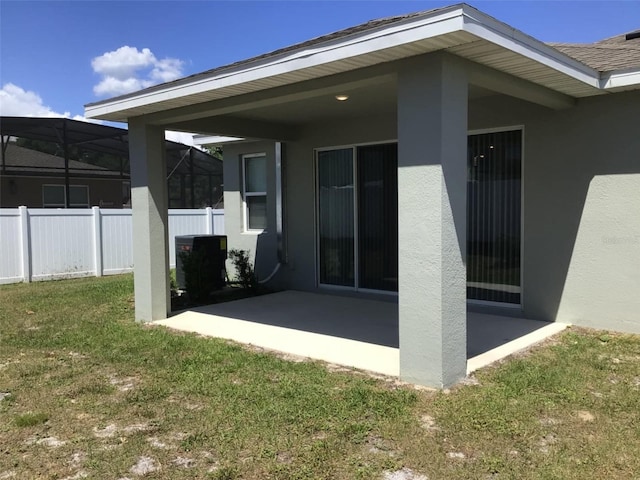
[460, 29]
[216, 140]
[620, 80]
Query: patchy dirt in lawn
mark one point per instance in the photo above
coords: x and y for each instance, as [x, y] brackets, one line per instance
[428, 423]
[184, 462]
[403, 474]
[123, 384]
[105, 432]
[585, 416]
[145, 466]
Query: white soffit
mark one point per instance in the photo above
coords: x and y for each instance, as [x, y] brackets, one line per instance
[215, 140]
[460, 29]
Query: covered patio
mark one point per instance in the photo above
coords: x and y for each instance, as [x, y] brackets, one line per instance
[364, 163]
[345, 330]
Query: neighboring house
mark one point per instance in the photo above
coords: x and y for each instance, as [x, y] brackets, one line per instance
[443, 157]
[37, 180]
[34, 178]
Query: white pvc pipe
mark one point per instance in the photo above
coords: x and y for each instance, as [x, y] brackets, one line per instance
[275, 270]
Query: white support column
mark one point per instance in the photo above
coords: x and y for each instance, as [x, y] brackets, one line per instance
[25, 244]
[149, 203]
[432, 146]
[97, 241]
[209, 219]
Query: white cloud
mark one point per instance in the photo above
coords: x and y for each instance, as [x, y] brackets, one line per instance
[18, 102]
[128, 69]
[123, 62]
[114, 86]
[167, 69]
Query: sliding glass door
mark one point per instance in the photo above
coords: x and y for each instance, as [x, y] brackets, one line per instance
[358, 217]
[377, 191]
[336, 226]
[494, 177]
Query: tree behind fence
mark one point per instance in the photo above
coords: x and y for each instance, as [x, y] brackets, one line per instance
[45, 244]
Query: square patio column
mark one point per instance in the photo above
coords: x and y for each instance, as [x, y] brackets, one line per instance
[149, 202]
[432, 193]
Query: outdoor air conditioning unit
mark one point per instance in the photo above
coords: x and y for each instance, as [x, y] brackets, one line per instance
[214, 255]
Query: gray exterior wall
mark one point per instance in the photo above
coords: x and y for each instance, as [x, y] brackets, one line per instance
[262, 246]
[581, 207]
[581, 203]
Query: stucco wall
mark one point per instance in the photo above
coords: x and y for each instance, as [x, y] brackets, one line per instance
[581, 207]
[262, 246]
[581, 193]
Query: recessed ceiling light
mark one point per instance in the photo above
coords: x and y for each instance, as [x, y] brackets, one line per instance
[342, 98]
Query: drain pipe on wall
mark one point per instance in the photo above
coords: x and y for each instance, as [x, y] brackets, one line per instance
[282, 255]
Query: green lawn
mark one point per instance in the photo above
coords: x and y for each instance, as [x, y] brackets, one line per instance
[85, 392]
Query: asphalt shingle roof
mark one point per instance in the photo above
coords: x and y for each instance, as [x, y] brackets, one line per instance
[614, 53]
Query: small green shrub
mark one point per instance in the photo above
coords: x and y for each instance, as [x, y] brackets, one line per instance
[173, 282]
[244, 268]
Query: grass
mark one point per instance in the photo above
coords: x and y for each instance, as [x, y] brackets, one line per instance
[30, 419]
[92, 392]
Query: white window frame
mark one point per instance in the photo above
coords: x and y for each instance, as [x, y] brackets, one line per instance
[64, 192]
[245, 194]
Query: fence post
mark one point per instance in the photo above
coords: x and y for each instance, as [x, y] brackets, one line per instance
[97, 241]
[209, 220]
[25, 243]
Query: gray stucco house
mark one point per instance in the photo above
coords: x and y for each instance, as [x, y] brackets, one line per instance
[442, 157]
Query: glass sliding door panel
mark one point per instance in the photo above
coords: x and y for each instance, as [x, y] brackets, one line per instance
[377, 167]
[494, 216]
[336, 217]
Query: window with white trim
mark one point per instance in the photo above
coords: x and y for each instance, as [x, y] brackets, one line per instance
[254, 183]
[54, 196]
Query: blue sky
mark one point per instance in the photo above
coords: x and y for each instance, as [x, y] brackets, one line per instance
[56, 56]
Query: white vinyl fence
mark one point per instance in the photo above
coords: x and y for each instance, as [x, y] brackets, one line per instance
[44, 244]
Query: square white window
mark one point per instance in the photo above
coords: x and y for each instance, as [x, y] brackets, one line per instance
[79, 196]
[53, 196]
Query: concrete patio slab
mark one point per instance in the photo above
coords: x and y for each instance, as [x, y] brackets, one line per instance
[343, 351]
[355, 332]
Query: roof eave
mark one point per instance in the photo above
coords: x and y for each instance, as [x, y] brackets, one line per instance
[217, 140]
[443, 22]
[499, 33]
[619, 80]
